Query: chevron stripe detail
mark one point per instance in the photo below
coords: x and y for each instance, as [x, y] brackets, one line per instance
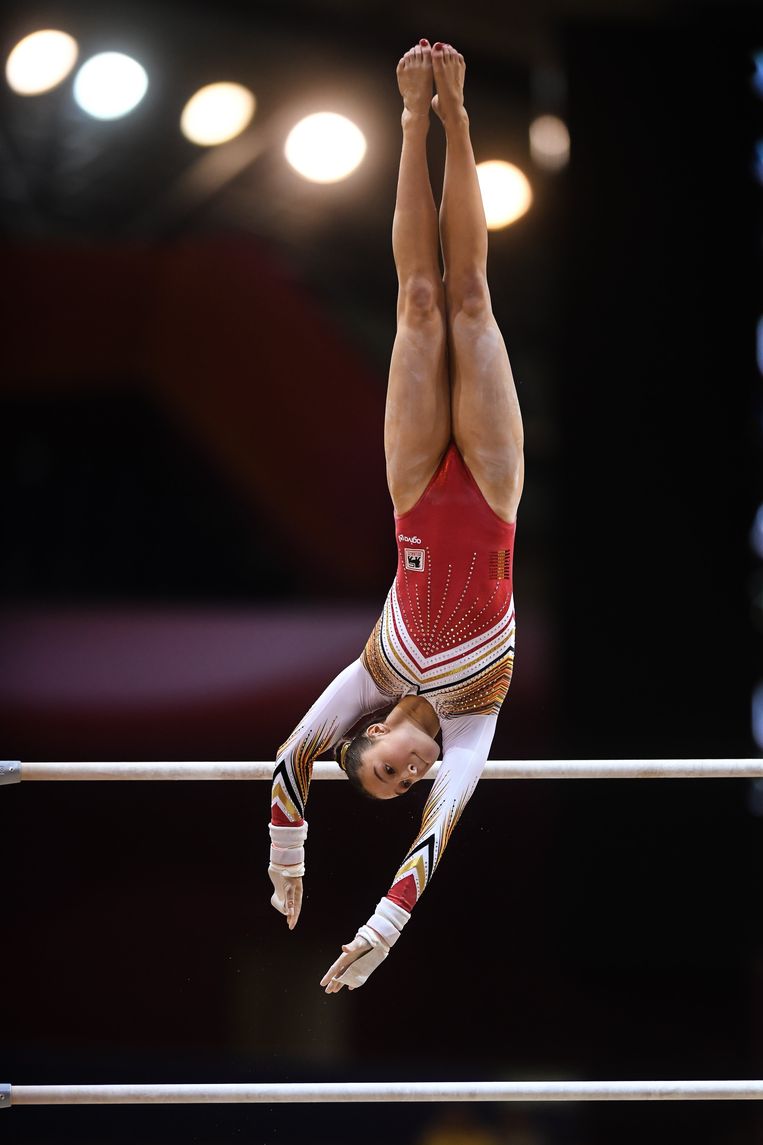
[284, 796]
[472, 677]
[291, 777]
[419, 864]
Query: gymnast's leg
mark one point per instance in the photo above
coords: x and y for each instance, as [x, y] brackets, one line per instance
[417, 425]
[486, 421]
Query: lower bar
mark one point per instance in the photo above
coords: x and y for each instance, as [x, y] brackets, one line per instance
[388, 1091]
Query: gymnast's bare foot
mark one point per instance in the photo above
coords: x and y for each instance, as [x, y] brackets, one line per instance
[449, 70]
[414, 78]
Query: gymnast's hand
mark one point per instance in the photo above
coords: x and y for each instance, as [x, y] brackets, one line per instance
[287, 866]
[332, 979]
[287, 893]
[368, 949]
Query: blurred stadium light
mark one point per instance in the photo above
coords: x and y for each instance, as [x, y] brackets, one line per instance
[217, 113]
[325, 147]
[110, 85]
[506, 192]
[40, 61]
[550, 142]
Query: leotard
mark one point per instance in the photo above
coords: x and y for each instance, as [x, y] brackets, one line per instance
[446, 633]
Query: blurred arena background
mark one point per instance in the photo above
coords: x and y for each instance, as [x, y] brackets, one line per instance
[197, 536]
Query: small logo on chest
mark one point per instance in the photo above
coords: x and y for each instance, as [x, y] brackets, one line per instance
[415, 560]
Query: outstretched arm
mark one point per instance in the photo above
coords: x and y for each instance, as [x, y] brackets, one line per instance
[466, 745]
[340, 705]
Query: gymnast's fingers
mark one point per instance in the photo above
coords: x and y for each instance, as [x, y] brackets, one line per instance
[330, 974]
[335, 971]
[350, 952]
[293, 902]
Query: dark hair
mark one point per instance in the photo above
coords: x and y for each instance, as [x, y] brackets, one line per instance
[349, 755]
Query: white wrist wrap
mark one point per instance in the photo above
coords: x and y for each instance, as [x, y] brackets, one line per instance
[287, 847]
[295, 871]
[388, 920]
[373, 939]
[287, 855]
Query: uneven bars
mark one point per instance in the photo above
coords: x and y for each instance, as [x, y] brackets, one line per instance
[14, 771]
[383, 1091]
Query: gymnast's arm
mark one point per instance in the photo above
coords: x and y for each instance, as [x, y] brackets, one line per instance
[340, 705]
[466, 745]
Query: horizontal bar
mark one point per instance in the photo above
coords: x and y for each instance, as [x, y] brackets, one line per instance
[11, 771]
[389, 1091]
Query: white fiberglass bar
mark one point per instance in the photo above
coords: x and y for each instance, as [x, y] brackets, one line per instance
[384, 1091]
[11, 771]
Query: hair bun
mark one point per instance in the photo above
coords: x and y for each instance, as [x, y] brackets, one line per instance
[340, 753]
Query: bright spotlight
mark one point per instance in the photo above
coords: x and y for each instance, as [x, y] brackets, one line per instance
[217, 113]
[325, 147]
[506, 193]
[40, 61]
[550, 142]
[110, 85]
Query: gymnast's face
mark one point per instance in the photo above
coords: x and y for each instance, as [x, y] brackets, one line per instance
[397, 758]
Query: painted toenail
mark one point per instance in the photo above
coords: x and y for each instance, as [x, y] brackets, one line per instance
[438, 47]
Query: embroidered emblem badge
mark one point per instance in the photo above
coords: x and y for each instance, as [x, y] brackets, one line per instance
[415, 559]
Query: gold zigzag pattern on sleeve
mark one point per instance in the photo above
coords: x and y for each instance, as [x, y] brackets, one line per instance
[303, 755]
[306, 751]
[453, 817]
[417, 867]
[429, 815]
[416, 864]
[287, 744]
[281, 798]
[432, 810]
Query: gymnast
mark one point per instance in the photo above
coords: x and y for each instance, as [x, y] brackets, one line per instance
[441, 655]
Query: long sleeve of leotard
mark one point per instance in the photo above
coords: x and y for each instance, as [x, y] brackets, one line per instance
[348, 697]
[466, 743]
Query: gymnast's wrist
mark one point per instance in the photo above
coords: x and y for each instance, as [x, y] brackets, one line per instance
[287, 848]
[288, 871]
[386, 923]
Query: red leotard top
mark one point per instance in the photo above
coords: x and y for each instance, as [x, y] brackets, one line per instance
[447, 629]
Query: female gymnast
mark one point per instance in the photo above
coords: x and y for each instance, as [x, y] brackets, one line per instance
[442, 651]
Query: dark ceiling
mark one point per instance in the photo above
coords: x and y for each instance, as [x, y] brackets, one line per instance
[63, 174]
[66, 177]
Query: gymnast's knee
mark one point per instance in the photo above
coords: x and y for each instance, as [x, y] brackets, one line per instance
[467, 295]
[420, 299]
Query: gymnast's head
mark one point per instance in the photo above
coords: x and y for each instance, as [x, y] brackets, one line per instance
[387, 759]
